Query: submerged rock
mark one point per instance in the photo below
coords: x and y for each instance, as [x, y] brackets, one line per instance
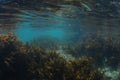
[111, 74]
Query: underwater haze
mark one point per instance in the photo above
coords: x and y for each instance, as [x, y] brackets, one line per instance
[84, 27]
[64, 23]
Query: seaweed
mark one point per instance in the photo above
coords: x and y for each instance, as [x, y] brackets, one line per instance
[32, 63]
[105, 51]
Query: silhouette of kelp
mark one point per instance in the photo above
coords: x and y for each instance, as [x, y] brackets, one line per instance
[8, 43]
[105, 51]
[23, 62]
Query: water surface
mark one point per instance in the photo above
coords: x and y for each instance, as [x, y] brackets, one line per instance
[67, 24]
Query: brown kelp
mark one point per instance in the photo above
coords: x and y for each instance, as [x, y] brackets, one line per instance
[8, 43]
[105, 51]
[24, 62]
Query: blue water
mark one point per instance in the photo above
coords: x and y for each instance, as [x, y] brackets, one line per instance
[67, 25]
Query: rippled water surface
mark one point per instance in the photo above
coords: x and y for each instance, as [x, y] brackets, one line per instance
[67, 24]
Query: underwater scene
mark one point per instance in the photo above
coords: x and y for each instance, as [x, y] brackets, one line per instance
[59, 39]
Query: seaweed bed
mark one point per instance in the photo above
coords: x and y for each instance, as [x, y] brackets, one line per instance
[20, 61]
[93, 58]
